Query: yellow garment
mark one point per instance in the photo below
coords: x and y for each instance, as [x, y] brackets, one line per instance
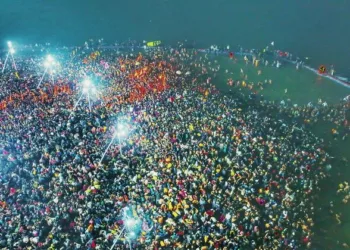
[170, 206]
[191, 127]
[184, 204]
[153, 43]
[178, 207]
[188, 221]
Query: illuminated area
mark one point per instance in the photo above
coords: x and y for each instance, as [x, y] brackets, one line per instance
[9, 56]
[117, 147]
[50, 65]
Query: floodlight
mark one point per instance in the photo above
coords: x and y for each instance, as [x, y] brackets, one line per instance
[48, 63]
[130, 223]
[85, 90]
[9, 55]
[86, 83]
[49, 58]
[120, 126]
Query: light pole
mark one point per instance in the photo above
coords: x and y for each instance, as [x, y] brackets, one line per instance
[49, 64]
[131, 226]
[120, 131]
[10, 53]
[87, 90]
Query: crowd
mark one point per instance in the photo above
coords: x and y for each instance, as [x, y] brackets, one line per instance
[198, 169]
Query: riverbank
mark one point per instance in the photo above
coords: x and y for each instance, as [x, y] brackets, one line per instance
[302, 87]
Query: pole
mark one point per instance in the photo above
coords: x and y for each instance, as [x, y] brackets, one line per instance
[13, 61]
[42, 78]
[116, 239]
[75, 106]
[7, 56]
[120, 147]
[89, 101]
[109, 145]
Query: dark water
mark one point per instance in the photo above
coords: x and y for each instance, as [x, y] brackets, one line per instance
[317, 29]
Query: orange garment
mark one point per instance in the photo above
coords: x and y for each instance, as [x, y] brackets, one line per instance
[90, 228]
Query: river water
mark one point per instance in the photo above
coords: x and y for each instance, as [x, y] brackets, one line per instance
[309, 28]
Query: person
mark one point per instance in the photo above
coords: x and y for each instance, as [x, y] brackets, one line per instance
[197, 169]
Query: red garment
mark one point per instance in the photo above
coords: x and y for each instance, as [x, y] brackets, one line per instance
[93, 244]
[217, 244]
[12, 191]
[210, 212]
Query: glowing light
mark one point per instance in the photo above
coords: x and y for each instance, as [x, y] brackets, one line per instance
[121, 126]
[49, 58]
[86, 83]
[122, 130]
[130, 223]
[49, 62]
[9, 43]
[12, 50]
[85, 90]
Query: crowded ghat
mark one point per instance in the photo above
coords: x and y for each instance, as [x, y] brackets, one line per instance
[116, 149]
